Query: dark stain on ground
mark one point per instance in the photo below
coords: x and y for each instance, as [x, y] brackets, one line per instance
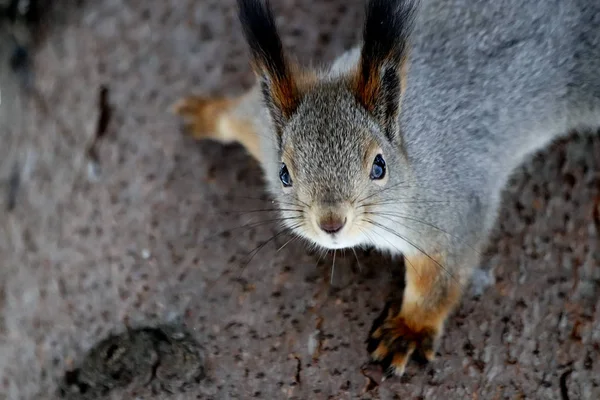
[104, 117]
[564, 391]
[14, 183]
[21, 20]
[165, 358]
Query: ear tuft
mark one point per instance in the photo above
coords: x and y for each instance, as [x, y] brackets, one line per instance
[379, 80]
[279, 85]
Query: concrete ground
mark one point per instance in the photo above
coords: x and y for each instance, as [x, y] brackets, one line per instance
[152, 236]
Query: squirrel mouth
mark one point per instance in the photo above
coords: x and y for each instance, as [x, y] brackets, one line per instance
[336, 241]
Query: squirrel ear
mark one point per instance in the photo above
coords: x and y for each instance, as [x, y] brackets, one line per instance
[381, 75]
[279, 84]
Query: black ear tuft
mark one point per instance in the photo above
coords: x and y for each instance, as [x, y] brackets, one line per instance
[380, 76]
[386, 32]
[279, 81]
[261, 34]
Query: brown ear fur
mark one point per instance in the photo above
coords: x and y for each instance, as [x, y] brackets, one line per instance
[368, 83]
[380, 78]
[285, 91]
[282, 83]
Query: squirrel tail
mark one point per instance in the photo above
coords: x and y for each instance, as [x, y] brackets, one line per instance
[216, 118]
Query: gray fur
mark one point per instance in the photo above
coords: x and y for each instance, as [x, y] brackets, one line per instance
[489, 83]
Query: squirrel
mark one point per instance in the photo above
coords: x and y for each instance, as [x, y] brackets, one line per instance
[406, 141]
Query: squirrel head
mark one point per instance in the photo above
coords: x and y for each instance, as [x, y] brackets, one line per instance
[337, 140]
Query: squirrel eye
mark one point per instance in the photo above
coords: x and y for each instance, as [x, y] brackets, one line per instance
[378, 168]
[284, 175]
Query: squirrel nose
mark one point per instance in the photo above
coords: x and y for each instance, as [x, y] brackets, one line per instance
[332, 224]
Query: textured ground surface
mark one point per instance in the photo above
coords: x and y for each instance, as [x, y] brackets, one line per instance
[155, 238]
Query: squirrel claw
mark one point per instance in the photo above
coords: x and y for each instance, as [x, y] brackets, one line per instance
[393, 340]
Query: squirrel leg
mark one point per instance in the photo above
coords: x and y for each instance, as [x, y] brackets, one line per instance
[414, 322]
[220, 119]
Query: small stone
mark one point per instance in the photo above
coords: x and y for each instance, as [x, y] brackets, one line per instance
[313, 343]
[93, 171]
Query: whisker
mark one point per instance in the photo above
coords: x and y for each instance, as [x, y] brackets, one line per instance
[394, 246]
[323, 253]
[264, 198]
[332, 268]
[256, 224]
[409, 218]
[383, 190]
[401, 201]
[240, 212]
[266, 221]
[254, 252]
[295, 199]
[286, 243]
[293, 202]
[357, 262]
[411, 244]
[402, 185]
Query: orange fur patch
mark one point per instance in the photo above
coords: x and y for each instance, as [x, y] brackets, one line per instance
[429, 297]
[424, 279]
[287, 90]
[285, 95]
[367, 85]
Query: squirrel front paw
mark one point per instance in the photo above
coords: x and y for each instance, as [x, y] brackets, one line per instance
[394, 338]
